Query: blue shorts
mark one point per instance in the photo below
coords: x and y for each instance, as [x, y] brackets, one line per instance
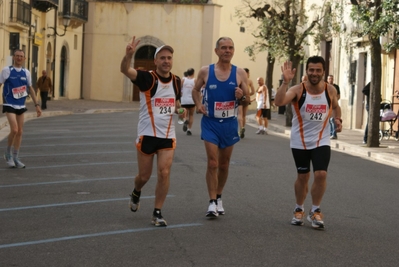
[222, 133]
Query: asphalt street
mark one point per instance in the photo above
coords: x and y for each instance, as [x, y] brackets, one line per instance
[69, 207]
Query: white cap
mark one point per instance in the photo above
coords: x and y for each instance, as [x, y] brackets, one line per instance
[163, 47]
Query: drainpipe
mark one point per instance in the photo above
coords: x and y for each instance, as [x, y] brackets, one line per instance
[82, 63]
[54, 50]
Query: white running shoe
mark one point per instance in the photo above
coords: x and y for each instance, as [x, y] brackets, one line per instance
[298, 217]
[212, 210]
[259, 131]
[316, 218]
[9, 160]
[158, 220]
[134, 202]
[18, 163]
[220, 207]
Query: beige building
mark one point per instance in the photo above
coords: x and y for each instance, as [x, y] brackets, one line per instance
[50, 32]
[191, 29]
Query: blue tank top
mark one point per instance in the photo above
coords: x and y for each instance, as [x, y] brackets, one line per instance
[16, 88]
[219, 96]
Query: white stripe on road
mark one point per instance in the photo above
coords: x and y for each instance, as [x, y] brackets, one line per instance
[74, 165]
[68, 181]
[72, 203]
[29, 243]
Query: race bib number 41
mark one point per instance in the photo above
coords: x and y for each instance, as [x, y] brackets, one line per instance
[316, 112]
[164, 106]
[19, 92]
[224, 109]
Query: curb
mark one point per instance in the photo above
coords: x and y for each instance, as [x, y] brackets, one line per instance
[383, 157]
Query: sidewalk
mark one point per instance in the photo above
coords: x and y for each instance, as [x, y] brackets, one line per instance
[349, 141]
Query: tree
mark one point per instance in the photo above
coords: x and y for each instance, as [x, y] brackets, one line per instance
[376, 18]
[282, 31]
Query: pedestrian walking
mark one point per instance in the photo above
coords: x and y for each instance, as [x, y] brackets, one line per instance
[44, 86]
[333, 132]
[243, 107]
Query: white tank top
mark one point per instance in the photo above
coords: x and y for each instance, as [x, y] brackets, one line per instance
[260, 100]
[156, 112]
[310, 127]
[186, 92]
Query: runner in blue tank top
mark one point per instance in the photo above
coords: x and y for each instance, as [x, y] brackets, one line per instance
[17, 86]
[225, 86]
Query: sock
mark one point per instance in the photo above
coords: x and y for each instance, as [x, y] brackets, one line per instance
[8, 150]
[157, 212]
[135, 192]
[15, 154]
[299, 207]
[314, 208]
[260, 127]
[218, 196]
[136, 195]
[213, 200]
[265, 129]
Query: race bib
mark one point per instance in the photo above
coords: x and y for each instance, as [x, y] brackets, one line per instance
[224, 110]
[316, 112]
[164, 106]
[19, 92]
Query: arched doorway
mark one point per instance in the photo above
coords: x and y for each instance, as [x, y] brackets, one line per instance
[63, 62]
[143, 60]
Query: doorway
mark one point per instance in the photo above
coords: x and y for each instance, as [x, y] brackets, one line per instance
[62, 70]
[34, 70]
[143, 60]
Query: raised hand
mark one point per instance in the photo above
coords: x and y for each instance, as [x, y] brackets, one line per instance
[131, 47]
[288, 71]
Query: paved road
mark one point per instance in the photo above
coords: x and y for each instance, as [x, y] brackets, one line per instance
[69, 206]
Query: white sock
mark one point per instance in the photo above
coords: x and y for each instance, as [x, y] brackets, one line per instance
[299, 207]
[315, 208]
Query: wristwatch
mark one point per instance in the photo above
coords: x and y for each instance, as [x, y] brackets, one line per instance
[243, 98]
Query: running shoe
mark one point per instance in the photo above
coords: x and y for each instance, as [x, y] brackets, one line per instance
[158, 220]
[242, 132]
[189, 132]
[298, 217]
[185, 126]
[212, 210]
[9, 160]
[316, 218]
[265, 132]
[259, 131]
[219, 207]
[134, 203]
[18, 163]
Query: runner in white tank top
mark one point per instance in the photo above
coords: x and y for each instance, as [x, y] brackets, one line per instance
[313, 102]
[159, 100]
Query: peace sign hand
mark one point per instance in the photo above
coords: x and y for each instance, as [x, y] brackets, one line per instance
[288, 71]
[131, 47]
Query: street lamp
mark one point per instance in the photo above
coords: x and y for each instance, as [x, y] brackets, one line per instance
[66, 19]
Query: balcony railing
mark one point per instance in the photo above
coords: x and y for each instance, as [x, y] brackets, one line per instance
[44, 5]
[77, 9]
[20, 12]
[162, 1]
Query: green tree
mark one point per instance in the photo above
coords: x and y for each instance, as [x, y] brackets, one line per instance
[375, 19]
[282, 32]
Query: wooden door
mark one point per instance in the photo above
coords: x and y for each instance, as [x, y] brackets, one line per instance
[141, 64]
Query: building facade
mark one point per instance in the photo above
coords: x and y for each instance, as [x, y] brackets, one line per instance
[50, 32]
